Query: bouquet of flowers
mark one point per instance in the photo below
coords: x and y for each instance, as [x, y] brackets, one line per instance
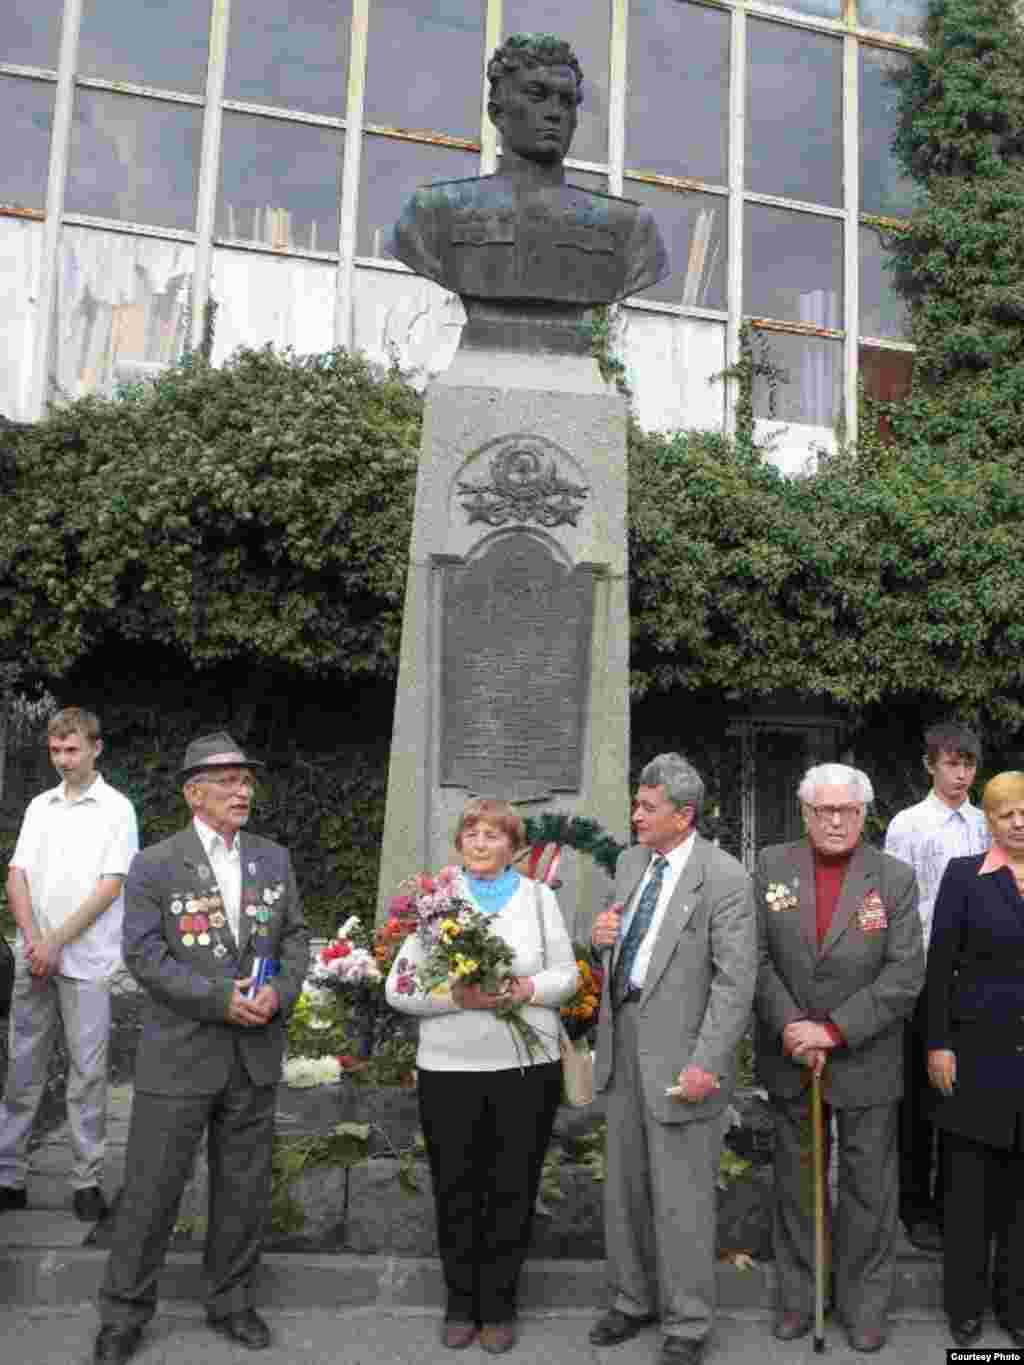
[579, 1015]
[459, 946]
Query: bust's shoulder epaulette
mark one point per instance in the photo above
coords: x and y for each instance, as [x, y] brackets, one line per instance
[604, 194]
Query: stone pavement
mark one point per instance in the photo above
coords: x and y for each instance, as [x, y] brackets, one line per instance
[178, 1335]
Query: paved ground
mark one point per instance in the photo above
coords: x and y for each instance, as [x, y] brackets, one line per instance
[179, 1336]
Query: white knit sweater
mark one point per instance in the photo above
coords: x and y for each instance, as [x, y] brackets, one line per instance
[453, 1039]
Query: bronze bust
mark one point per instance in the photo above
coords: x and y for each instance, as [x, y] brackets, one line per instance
[523, 235]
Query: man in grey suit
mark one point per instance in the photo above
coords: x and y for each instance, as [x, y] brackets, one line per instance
[676, 1002]
[214, 933]
[841, 965]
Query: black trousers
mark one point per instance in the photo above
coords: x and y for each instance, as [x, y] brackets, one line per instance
[984, 1199]
[486, 1134]
[920, 1141]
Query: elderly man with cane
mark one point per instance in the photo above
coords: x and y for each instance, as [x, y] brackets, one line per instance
[841, 965]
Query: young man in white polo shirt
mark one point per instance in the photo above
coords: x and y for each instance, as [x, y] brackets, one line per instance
[944, 825]
[64, 889]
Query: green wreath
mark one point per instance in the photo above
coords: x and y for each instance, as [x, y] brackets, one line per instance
[576, 832]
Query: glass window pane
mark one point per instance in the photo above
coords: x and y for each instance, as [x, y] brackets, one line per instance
[30, 32]
[26, 115]
[795, 114]
[150, 42]
[905, 17]
[883, 186]
[295, 56]
[424, 65]
[391, 170]
[883, 313]
[802, 378]
[279, 183]
[825, 9]
[586, 26]
[677, 97]
[122, 308]
[694, 228]
[793, 266]
[134, 159]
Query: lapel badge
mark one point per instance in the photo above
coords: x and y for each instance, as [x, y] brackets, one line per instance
[220, 951]
[177, 906]
[871, 916]
[779, 896]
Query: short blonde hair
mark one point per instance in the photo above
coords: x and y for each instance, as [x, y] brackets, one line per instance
[488, 810]
[74, 720]
[1007, 786]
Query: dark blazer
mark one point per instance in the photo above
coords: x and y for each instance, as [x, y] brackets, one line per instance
[974, 1000]
[864, 978]
[187, 1046]
[699, 985]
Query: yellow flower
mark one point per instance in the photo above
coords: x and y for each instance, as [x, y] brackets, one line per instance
[464, 966]
[450, 929]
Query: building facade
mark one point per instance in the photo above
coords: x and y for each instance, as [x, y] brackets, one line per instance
[163, 154]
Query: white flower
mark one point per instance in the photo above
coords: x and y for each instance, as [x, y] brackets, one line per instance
[303, 1072]
[358, 966]
[318, 998]
[353, 922]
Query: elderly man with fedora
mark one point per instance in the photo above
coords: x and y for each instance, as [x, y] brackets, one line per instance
[841, 965]
[208, 913]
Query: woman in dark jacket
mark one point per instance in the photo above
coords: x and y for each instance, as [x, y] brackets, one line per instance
[974, 1003]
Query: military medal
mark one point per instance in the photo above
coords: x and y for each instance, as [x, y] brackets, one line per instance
[203, 940]
[220, 950]
[217, 920]
[177, 906]
[188, 940]
[871, 916]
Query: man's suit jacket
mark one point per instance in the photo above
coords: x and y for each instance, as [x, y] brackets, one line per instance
[865, 977]
[974, 1000]
[699, 985]
[177, 945]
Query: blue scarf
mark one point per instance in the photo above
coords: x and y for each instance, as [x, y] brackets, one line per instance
[493, 893]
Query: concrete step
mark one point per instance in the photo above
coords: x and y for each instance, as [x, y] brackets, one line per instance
[44, 1261]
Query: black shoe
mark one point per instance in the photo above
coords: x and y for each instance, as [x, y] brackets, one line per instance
[1016, 1334]
[11, 1198]
[616, 1326]
[114, 1345]
[89, 1204]
[925, 1235]
[965, 1332]
[246, 1327]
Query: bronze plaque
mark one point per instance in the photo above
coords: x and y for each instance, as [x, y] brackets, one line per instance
[515, 659]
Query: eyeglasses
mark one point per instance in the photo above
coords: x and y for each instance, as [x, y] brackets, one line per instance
[830, 813]
[226, 784]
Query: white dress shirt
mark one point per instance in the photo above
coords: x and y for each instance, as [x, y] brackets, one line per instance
[926, 836]
[66, 845]
[226, 864]
[677, 859]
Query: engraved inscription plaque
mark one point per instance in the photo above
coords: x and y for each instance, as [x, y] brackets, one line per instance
[515, 656]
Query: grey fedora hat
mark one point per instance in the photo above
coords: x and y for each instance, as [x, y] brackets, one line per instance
[218, 750]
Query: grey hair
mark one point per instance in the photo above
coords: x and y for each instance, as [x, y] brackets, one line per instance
[683, 784]
[835, 775]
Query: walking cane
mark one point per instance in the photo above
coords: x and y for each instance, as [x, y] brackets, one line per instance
[818, 1139]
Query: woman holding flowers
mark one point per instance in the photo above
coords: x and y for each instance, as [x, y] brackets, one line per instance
[486, 970]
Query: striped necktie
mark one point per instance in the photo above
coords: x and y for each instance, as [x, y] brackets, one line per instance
[638, 926]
